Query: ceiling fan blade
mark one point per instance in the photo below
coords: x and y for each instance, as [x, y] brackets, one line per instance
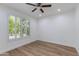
[42, 10]
[34, 9]
[30, 4]
[46, 5]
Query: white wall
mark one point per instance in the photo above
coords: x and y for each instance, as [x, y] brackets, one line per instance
[58, 29]
[77, 28]
[5, 44]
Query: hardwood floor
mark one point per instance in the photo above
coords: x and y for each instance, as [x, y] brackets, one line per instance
[40, 48]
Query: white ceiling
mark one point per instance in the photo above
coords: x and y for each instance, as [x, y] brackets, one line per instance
[47, 11]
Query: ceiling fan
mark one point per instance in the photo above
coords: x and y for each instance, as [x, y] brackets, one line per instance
[39, 5]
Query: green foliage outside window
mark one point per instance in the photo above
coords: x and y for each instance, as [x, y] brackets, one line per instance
[25, 27]
[17, 25]
[28, 27]
[11, 25]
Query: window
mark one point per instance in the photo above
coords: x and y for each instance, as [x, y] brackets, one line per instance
[18, 27]
[25, 27]
[28, 26]
[11, 27]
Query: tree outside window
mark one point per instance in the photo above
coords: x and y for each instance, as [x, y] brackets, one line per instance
[11, 27]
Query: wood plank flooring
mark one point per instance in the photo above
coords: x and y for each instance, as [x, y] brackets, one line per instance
[40, 48]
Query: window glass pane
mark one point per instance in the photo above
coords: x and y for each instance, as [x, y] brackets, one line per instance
[28, 26]
[17, 24]
[11, 27]
[23, 28]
